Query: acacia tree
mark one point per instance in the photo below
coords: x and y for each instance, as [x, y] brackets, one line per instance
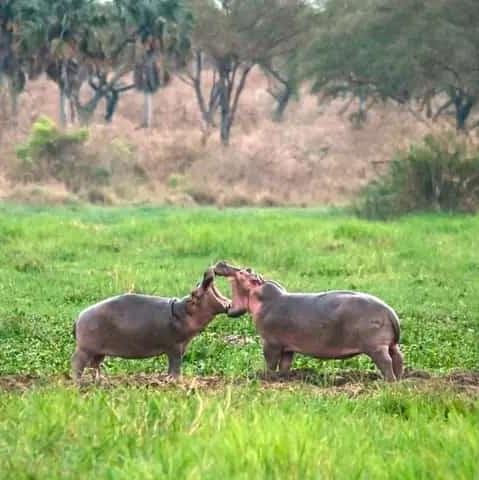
[283, 66]
[404, 51]
[233, 36]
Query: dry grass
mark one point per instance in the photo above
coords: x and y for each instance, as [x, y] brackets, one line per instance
[315, 156]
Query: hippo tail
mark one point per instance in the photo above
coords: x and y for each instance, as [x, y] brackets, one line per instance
[396, 325]
[74, 330]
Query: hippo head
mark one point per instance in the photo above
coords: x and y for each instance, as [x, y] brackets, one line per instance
[207, 298]
[245, 283]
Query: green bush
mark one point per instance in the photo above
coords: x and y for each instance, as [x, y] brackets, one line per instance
[50, 153]
[439, 174]
[47, 140]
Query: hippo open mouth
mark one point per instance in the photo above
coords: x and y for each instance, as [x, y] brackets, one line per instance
[240, 279]
[220, 298]
[208, 285]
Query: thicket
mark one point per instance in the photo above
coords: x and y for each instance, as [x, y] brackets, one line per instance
[439, 174]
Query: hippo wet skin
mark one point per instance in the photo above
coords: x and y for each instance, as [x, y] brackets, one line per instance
[329, 325]
[141, 326]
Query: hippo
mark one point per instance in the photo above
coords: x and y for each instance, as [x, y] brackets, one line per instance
[141, 326]
[327, 325]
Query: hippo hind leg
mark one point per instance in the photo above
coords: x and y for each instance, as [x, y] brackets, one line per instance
[397, 358]
[80, 360]
[95, 363]
[285, 362]
[383, 361]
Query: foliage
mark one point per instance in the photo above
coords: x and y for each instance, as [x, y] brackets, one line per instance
[401, 51]
[47, 140]
[50, 153]
[246, 33]
[441, 174]
[53, 154]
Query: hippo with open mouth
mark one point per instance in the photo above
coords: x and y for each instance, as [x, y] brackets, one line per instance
[141, 326]
[328, 325]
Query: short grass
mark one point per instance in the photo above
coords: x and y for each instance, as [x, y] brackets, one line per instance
[55, 262]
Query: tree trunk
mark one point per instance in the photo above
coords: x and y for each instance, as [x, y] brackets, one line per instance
[13, 95]
[224, 100]
[111, 103]
[85, 112]
[147, 109]
[63, 108]
[225, 129]
[463, 104]
[282, 103]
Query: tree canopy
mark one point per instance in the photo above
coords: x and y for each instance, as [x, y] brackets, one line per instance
[423, 53]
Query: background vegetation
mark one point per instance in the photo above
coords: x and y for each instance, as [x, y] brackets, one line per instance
[109, 62]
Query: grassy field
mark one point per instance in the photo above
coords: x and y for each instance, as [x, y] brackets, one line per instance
[54, 262]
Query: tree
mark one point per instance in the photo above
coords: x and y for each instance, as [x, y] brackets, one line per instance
[233, 36]
[283, 66]
[156, 29]
[405, 51]
[12, 76]
[66, 36]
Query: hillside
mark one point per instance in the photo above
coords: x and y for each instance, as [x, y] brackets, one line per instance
[315, 156]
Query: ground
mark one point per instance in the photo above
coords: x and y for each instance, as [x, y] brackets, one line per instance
[329, 419]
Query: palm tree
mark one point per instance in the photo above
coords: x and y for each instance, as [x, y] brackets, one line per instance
[158, 29]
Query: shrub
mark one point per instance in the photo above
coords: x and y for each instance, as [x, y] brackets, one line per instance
[52, 154]
[441, 174]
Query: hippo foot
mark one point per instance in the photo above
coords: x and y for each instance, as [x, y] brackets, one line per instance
[285, 375]
[173, 378]
[271, 376]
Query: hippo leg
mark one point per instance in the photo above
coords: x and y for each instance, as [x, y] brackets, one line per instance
[272, 355]
[175, 357]
[80, 360]
[397, 359]
[285, 362]
[383, 361]
[95, 363]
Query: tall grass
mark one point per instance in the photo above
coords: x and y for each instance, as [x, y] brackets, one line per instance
[240, 433]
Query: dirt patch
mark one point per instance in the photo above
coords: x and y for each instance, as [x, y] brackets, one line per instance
[352, 382]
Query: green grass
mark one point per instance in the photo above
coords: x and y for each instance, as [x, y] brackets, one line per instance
[55, 262]
[237, 433]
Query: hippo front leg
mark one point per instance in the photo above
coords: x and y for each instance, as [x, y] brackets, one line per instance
[272, 356]
[175, 357]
